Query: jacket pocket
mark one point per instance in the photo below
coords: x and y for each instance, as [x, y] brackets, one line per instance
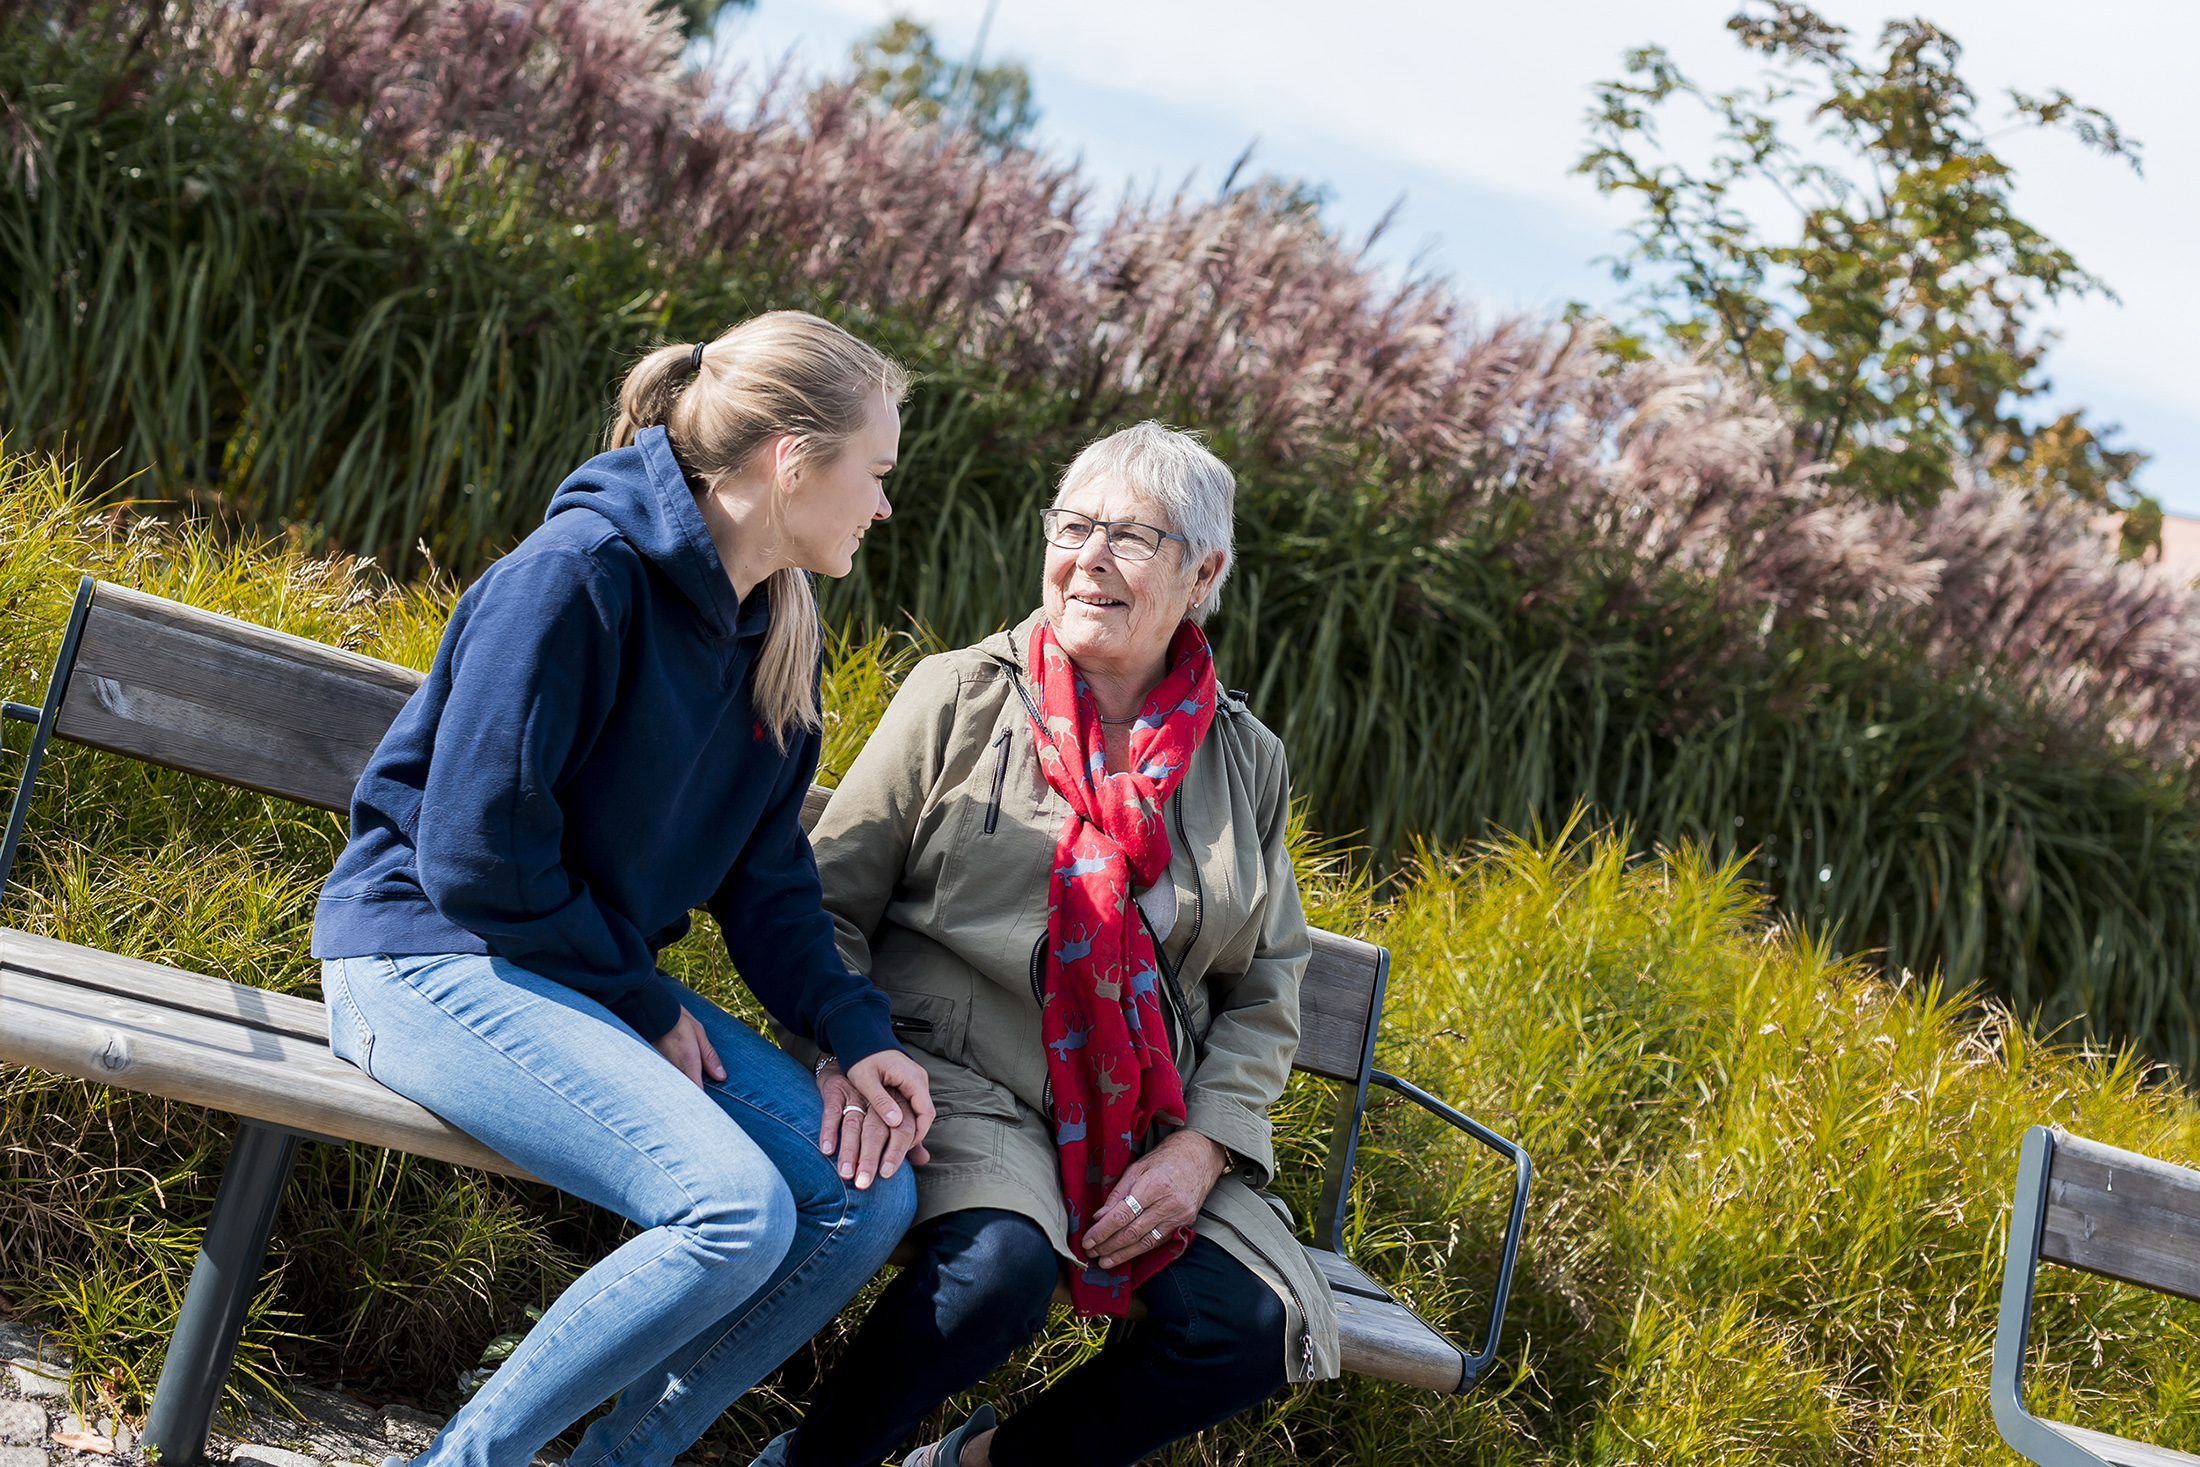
[928, 1022]
[1000, 781]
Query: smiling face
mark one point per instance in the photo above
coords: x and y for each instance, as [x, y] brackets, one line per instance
[825, 506]
[1115, 617]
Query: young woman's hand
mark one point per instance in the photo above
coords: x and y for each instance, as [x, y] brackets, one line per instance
[875, 1116]
[688, 1048]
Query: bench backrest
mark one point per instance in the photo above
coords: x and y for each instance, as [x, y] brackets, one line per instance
[2104, 1211]
[2123, 1216]
[283, 715]
[211, 695]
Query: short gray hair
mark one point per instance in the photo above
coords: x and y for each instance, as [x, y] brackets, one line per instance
[1175, 470]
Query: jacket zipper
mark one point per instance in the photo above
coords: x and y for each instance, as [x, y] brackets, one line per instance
[1038, 996]
[1306, 1321]
[1175, 991]
[1025, 694]
[1199, 890]
[1000, 782]
[1199, 914]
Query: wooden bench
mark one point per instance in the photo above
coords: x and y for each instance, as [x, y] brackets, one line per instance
[216, 697]
[2114, 1213]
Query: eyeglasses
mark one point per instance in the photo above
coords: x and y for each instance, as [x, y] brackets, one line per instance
[1127, 539]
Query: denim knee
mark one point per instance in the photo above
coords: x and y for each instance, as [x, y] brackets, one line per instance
[1227, 1332]
[1251, 1369]
[992, 1275]
[884, 1209]
[743, 1232]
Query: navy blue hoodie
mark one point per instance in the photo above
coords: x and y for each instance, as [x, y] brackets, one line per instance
[582, 766]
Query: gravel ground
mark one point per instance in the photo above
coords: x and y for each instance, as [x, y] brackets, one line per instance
[34, 1410]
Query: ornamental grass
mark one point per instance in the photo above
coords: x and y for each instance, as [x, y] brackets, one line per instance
[367, 272]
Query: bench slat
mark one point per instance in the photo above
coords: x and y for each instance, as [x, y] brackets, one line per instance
[157, 983]
[276, 1078]
[2124, 1216]
[2120, 1450]
[1389, 1342]
[1382, 1337]
[211, 695]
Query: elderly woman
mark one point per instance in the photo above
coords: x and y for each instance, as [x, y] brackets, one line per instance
[1062, 856]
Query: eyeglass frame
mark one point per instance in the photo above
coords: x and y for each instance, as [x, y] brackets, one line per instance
[1109, 526]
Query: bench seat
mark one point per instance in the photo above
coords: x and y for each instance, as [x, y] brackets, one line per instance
[205, 1041]
[2120, 1450]
[264, 1057]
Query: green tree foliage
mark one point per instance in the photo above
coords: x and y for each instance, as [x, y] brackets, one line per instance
[1898, 321]
[900, 64]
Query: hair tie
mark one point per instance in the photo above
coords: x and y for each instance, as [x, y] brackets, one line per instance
[695, 361]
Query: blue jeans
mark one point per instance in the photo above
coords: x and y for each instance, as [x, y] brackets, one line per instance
[1211, 1345]
[752, 1240]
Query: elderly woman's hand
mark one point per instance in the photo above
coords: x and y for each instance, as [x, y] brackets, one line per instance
[853, 1126]
[1169, 1184]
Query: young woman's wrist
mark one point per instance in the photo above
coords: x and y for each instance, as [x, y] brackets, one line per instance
[855, 1031]
[652, 1010]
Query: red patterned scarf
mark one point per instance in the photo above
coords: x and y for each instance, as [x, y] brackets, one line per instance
[1107, 1050]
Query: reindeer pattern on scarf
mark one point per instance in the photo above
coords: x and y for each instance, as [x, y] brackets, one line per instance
[1107, 1051]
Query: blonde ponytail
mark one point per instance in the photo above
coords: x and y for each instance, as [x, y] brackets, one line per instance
[784, 372]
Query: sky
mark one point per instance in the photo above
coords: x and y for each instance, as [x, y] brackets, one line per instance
[1469, 115]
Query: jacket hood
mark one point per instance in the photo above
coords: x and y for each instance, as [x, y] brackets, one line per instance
[1007, 648]
[646, 498]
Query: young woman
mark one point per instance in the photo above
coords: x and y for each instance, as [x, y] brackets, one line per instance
[620, 725]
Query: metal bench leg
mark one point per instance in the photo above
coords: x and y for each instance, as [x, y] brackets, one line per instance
[222, 1284]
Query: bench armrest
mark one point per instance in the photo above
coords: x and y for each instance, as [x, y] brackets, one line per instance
[1523, 1173]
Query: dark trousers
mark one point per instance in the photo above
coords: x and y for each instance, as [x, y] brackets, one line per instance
[1211, 1345]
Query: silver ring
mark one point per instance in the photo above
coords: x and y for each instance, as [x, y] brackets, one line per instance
[1132, 1203]
[1156, 1234]
[853, 1110]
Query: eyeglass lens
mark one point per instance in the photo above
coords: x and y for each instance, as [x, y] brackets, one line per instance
[1130, 541]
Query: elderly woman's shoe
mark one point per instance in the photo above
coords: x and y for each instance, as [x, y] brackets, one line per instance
[947, 1451]
[775, 1451]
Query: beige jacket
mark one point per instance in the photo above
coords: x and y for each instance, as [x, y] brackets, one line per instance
[936, 853]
